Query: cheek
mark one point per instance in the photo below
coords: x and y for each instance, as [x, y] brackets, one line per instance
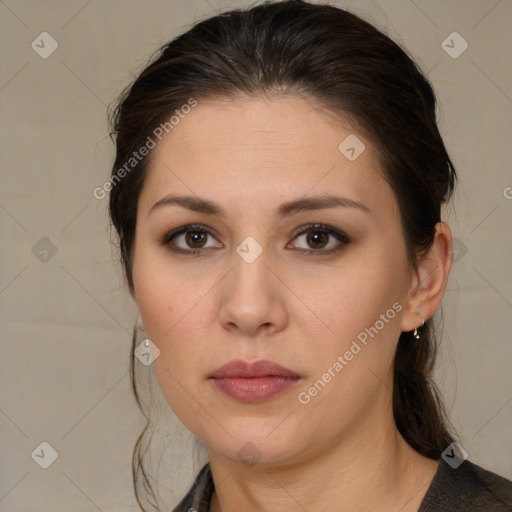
[160, 293]
[362, 310]
[169, 313]
[354, 300]
[172, 305]
[168, 309]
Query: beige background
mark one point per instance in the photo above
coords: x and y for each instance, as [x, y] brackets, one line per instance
[66, 322]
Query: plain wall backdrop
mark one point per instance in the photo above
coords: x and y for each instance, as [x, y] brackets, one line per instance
[65, 314]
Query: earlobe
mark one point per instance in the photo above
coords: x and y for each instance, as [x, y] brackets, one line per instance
[430, 280]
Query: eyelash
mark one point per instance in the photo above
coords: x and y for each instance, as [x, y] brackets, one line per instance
[322, 228]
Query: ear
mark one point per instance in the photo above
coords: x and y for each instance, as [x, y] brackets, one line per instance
[429, 281]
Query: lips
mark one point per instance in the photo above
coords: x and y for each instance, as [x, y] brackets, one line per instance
[253, 382]
[242, 369]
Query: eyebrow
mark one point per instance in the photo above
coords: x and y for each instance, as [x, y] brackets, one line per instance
[287, 209]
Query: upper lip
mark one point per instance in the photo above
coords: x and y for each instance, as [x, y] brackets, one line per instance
[245, 369]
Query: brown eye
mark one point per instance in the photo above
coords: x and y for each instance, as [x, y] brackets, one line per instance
[195, 239]
[190, 239]
[317, 239]
[321, 239]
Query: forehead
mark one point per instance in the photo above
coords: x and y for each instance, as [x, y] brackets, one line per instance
[265, 149]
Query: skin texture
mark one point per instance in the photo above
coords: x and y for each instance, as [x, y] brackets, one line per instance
[340, 451]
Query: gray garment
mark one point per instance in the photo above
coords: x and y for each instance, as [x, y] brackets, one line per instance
[469, 488]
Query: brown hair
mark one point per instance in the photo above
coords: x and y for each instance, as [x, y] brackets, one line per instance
[354, 72]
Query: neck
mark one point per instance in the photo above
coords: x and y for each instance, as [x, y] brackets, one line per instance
[373, 471]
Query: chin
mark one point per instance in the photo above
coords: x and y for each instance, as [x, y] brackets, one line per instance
[254, 453]
[254, 442]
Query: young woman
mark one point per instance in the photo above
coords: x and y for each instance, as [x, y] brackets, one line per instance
[277, 193]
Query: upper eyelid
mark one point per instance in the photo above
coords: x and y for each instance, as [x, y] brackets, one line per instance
[211, 231]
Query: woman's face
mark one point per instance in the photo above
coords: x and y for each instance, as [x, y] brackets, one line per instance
[326, 303]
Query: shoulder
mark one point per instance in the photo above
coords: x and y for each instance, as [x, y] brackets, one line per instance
[199, 496]
[468, 488]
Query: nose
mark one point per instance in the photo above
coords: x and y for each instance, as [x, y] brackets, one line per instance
[253, 299]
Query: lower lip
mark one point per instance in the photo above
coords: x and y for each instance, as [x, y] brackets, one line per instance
[256, 389]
